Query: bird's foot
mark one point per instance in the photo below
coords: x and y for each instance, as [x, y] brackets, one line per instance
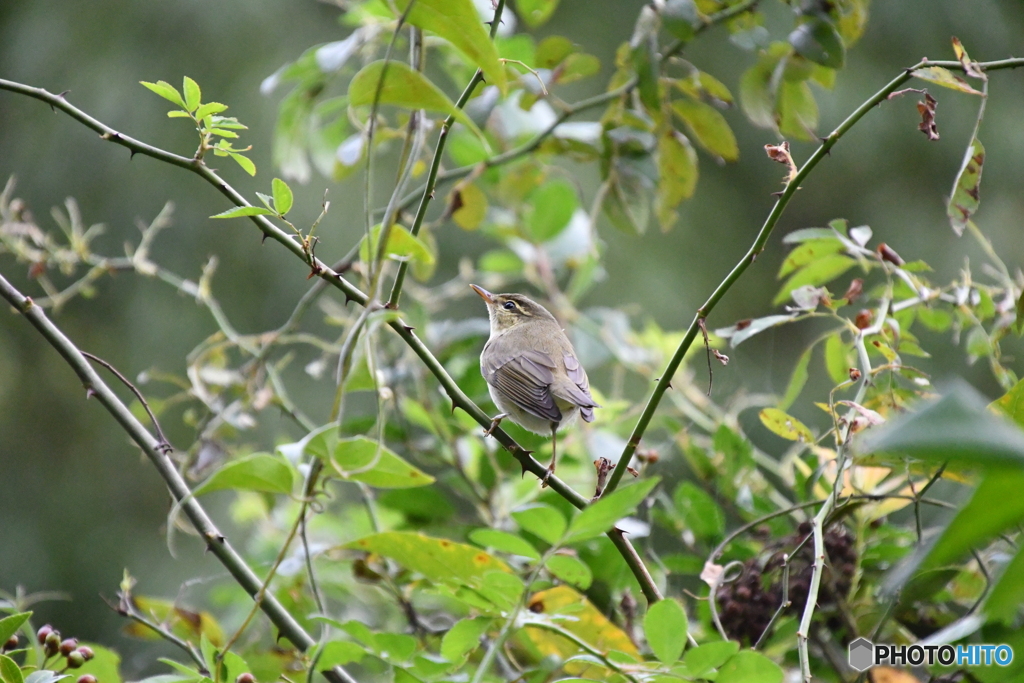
[494, 423]
[547, 475]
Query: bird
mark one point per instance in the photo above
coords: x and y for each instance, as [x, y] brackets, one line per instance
[531, 369]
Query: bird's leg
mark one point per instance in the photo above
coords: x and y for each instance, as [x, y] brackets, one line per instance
[495, 422]
[554, 455]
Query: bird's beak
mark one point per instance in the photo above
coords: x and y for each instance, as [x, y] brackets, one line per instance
[484, 294]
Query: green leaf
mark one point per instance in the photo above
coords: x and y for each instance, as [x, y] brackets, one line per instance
[240, 211]
[543, 521]
[957, 427]
[677, 175]
[708, 127]
[797, 380]
[552, 51]
[757, 87]
[256, 472]
[571, 570]
[703, 659]
[797, 110]
[966, 188]
[786, 426]
[816, 273]
[681, 18]
[193, 96]
[535, 12]
[503, 541]
[502, 589]
[665, 626]
[10, 672]
[837, 358]
[340, 653]
[245, 162]
[438, 559]
[1011, 404]
[699, 511]
[749, 667]
[458, 22]
[401, 244]
[979, 521]
[809, 251]
[166, 91]
[818, 41]
[209, 109]
[10, 625]
[362, 459]
[403, 87]
[283, 197]
[549, 209]
[597, 518]
[577, 66]
[945, 78]
[1004, 601]
[463, 638]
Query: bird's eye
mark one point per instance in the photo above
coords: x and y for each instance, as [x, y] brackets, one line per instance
[509, 306]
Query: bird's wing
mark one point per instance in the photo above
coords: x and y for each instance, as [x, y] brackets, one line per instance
[525, 379]
[577, 389]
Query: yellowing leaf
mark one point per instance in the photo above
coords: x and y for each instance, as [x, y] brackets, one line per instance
[966, 188]
[472, 206]
[945, 78]
[786, 426]
[438, 559]
[677, 175]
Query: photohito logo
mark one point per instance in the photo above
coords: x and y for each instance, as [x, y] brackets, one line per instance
[864, 654]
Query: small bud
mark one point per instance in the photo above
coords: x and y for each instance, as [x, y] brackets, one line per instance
[888, 254]
[52, 644]
[86, 678]
[86, 652]
[863, 319]
[75, 659]
[854, 374]
[43, 632]
[68, 646]
[11, 644]
[245, 678]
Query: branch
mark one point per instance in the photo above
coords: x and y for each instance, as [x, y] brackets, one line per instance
[759, 244]
[216, 542]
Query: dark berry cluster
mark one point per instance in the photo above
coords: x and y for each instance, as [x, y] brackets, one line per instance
[747, 604]
[75, 655]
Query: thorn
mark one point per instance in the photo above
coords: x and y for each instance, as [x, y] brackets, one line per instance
[131, 154]
[89, 393]
[264, 238]
[779, 193]
[214, 536]
[408, 328]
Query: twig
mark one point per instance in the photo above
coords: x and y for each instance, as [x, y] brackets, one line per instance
[126, 608]
[165, 445]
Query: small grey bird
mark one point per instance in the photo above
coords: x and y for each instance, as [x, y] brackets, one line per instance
[531, 369]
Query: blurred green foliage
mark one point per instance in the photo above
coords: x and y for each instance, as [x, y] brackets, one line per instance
[234, 370]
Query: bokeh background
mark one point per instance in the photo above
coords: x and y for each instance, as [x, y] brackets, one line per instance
[78, 503]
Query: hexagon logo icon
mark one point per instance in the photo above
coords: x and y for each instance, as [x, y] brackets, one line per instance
[862, 654]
